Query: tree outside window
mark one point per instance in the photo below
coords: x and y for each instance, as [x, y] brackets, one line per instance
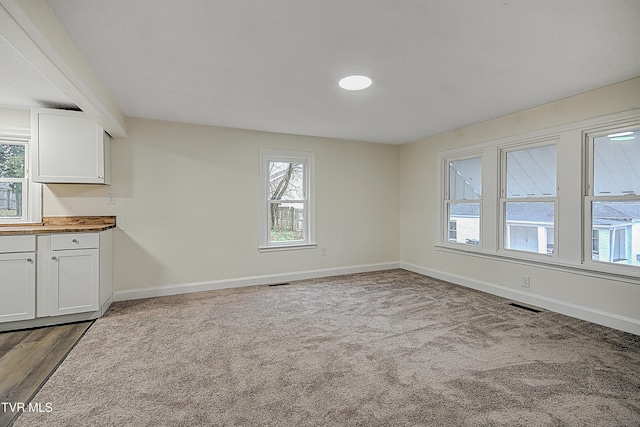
[286, 199]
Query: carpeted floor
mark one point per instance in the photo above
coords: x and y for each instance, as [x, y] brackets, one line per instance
[390, 348]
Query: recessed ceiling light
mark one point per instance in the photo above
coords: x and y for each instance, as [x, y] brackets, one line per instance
[615, 135]
[355, 82]
[622, 138]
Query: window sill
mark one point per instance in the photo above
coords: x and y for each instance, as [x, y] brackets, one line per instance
[588, 268]
[287, 247]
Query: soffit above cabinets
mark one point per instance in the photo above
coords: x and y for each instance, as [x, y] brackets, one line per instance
[59, 75]
[23, 86]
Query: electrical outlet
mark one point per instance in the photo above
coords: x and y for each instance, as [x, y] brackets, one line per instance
[111, 199]
[323, 252]
[526, 281]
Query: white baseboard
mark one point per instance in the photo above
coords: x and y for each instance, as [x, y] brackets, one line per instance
[248, 281]
[611, 320]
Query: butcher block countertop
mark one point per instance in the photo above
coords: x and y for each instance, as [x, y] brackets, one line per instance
[61, 224]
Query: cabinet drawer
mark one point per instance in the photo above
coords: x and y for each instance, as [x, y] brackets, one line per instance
[74, 241]
[10, 244]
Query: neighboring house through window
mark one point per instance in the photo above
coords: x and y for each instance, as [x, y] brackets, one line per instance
[453, 232]
[613, 196]
[529, 198]
[575, 186]
[595, 242]
[463, 198]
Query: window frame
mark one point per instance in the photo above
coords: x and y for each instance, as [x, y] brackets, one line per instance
[589, 198]
[595, 242]
[32, 192]
[453, 229]
[572, 236]
[446, 200]
[504, 198]
[268, 156]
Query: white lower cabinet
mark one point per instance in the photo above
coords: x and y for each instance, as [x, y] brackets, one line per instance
[67, 278]
[74, 281]
[74, 273]
[17, 286]
[17, 278]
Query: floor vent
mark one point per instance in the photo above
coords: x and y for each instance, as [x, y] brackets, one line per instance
[533, 310]
[279, 284]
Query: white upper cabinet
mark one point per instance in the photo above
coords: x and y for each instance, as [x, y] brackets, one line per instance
[69, 147]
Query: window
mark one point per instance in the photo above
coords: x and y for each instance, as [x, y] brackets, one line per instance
[566, 197]
[613, 196]
[463, 198]
[287, 210]
[19, 199]
[13, 180]
[528, 199]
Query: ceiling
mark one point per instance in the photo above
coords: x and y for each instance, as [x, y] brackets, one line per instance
[274, 65]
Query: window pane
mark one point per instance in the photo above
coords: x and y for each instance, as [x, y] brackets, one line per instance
[11, 161]
[286, 181]
[531, 172]
[529, 226]
[616, 164]
[465, 179]
[286, 222]
[10, 199]
[617, 227]
[464, 223]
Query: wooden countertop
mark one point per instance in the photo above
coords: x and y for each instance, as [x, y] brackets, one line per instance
[62, 224]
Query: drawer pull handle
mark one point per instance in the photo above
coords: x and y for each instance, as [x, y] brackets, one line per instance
[75, 240]
[55, 258]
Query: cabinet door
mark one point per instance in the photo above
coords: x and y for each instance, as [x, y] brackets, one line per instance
[74, 281]
[69, 148]
[17, 286]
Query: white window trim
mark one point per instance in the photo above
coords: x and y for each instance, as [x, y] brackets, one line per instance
[589, 198]
[577, 262]
[33, 198]
[308, 158]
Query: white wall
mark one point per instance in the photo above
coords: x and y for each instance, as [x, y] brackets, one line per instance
[187, 204]
[15, 118]
[599, 299]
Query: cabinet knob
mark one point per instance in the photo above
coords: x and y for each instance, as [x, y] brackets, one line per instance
[75, 240]
[29, 260]
[55, 258]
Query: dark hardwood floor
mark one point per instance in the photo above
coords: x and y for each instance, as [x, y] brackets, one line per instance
[28, 358]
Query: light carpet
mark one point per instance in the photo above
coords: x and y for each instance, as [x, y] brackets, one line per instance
[389, 348]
